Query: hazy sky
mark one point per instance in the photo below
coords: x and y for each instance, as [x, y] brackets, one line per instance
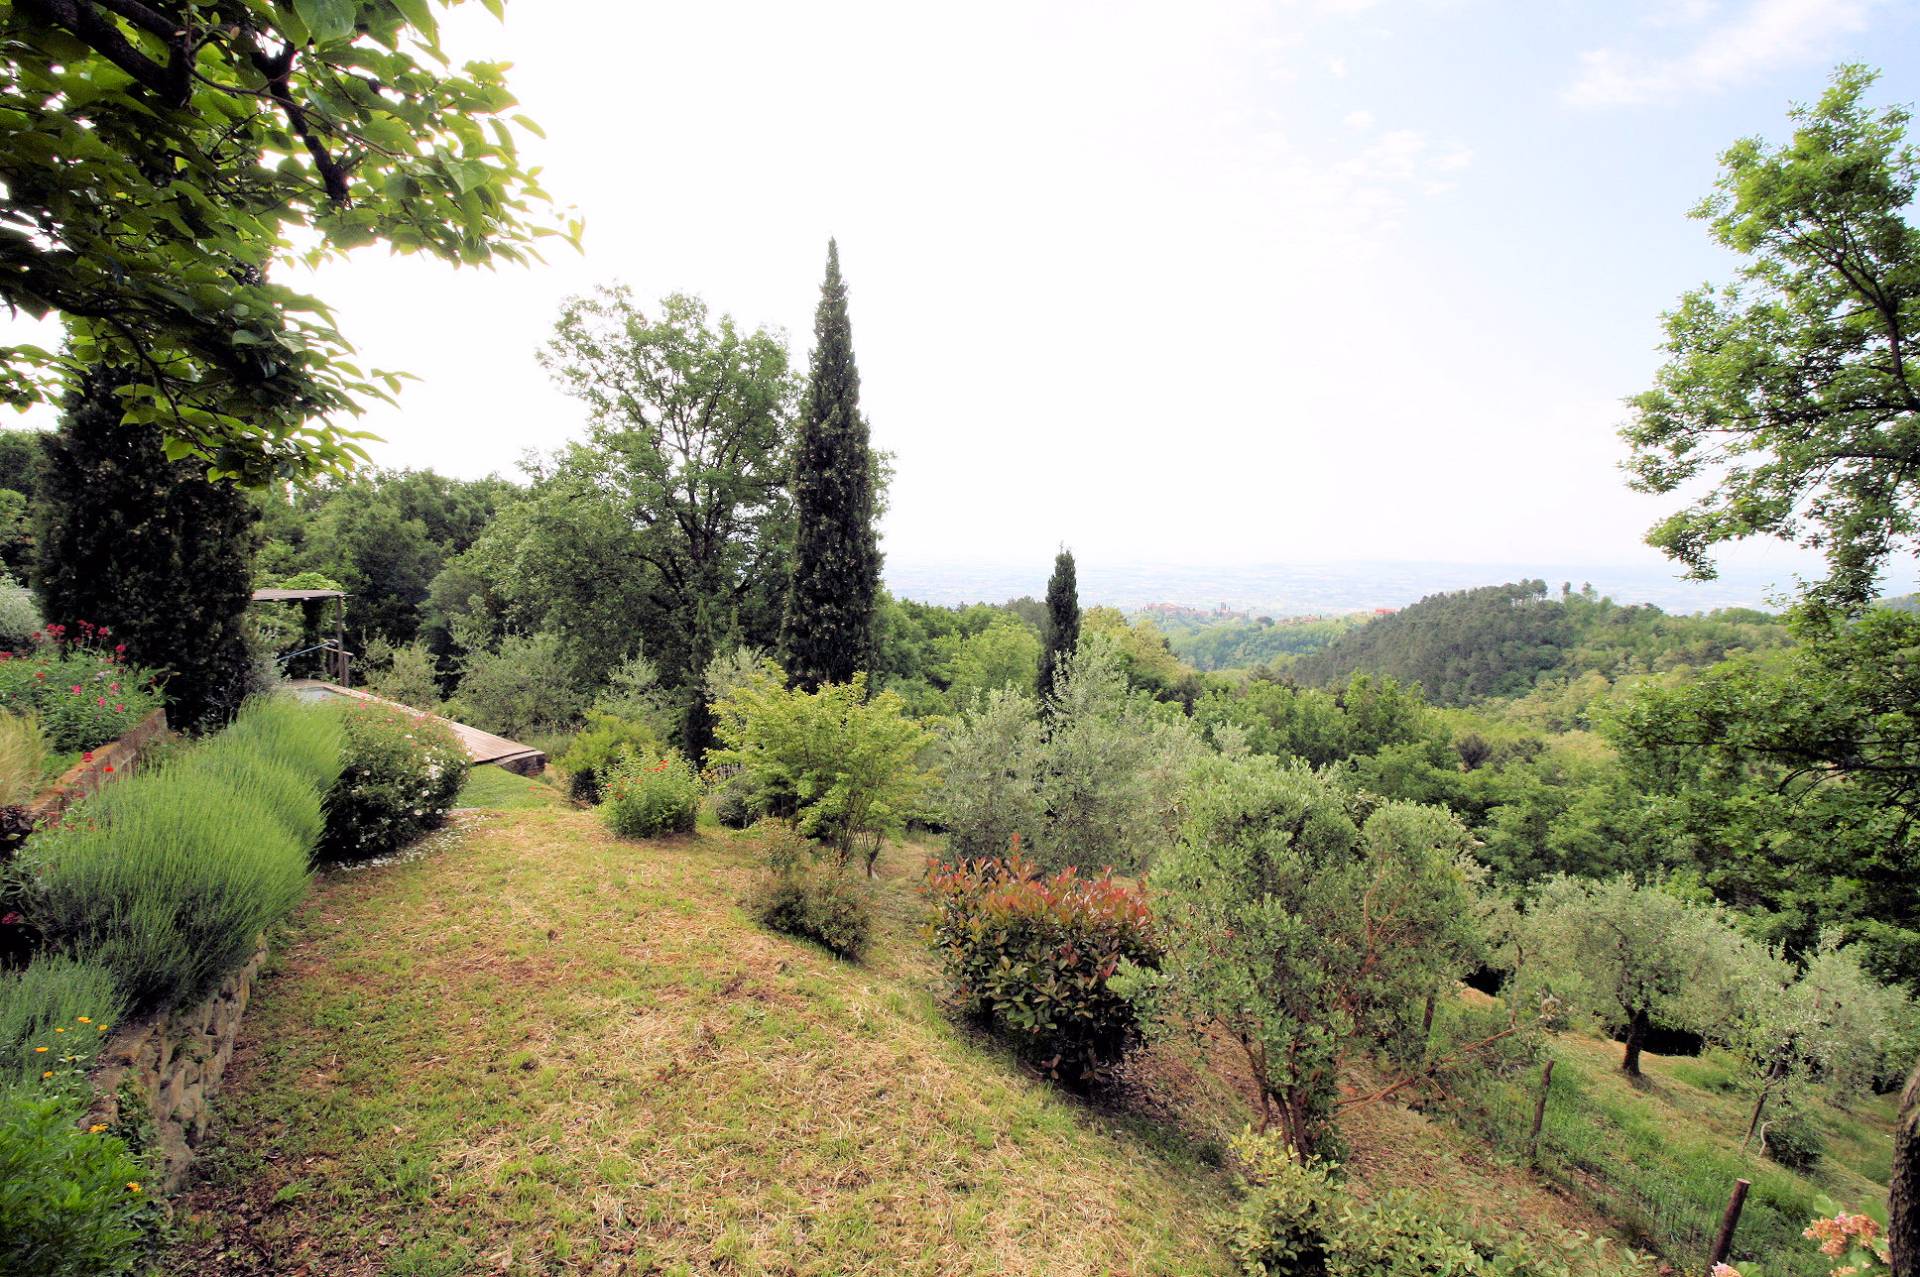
[1186, 282]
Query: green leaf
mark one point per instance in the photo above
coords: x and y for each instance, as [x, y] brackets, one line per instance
[420, 14]
[328, 20]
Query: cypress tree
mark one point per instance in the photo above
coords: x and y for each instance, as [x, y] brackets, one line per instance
[1063, 620]
[826, 634]
[149, 548]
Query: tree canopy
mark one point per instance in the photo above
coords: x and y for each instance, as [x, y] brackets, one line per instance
[161, 162]
[1796, 388]
[688, 443]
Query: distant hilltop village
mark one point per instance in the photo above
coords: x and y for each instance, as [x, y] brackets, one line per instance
[1188, 615]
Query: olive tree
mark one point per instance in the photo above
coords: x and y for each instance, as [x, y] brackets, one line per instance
[1296, 931]
[1633, 955]
[990, 759]
[1093, 780]
[1831, 1023]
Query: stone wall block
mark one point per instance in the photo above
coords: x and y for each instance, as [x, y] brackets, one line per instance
[175, 1063]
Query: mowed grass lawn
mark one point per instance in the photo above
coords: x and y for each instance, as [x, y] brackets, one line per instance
[535, 1048]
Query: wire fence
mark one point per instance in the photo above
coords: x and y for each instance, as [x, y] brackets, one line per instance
[1666, 1196]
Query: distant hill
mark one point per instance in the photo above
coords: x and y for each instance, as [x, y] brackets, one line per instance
[1241, 643]
[1503, 640]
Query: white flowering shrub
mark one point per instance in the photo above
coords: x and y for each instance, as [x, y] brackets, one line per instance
[401, 774]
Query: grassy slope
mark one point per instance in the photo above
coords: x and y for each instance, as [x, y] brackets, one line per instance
[1658, 1158]
[537, 1049]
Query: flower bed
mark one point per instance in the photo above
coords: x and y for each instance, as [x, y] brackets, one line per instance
[79, 686]
[97, 767]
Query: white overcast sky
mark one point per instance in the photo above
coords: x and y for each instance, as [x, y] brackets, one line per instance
[1183, 282]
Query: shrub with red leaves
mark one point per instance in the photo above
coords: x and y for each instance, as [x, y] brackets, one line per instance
[1033, 955]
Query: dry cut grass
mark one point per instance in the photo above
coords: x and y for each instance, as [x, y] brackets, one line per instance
[541, 1050]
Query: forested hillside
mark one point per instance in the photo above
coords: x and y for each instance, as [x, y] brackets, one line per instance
[1504, 640]
[1242, 644]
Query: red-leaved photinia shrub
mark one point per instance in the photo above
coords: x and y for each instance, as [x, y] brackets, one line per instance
[1034, 955]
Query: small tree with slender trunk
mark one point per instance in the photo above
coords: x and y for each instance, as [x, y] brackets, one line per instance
[1298, 934]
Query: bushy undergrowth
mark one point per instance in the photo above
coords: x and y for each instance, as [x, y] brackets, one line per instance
[78, 999]
[84, 694]
[75, 1201]
[734, 802]
[606, 744]
[647, 799]
[1034, 956]
[1296, 1219]
[805, 890]
[19, 613]
[1793, 1140]
[400, 773]
[167, 877]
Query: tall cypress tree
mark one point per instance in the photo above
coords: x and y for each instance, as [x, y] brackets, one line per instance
[149, 548]
[826, 634]
[1063, 620]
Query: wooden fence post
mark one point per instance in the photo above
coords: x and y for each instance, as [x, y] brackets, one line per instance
[1539, 1112]
[1723, 1244]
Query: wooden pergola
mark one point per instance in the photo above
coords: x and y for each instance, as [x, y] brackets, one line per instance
[339, 660]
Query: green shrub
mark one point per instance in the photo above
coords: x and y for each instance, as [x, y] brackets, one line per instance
[1295, 1219]
[400, 774]
[1033, 955]
[75, 1201]
[734, 802]
[52, 993]
[407, 674]
[804, 890]
[84, 695]
[1794, 1141]
[19, 614]
[645, 800]
[844, 765]
[607, 743]
[168, 877]
[521, 687]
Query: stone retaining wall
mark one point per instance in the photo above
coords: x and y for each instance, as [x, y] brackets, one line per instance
[111, 760]
[174, 1062]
